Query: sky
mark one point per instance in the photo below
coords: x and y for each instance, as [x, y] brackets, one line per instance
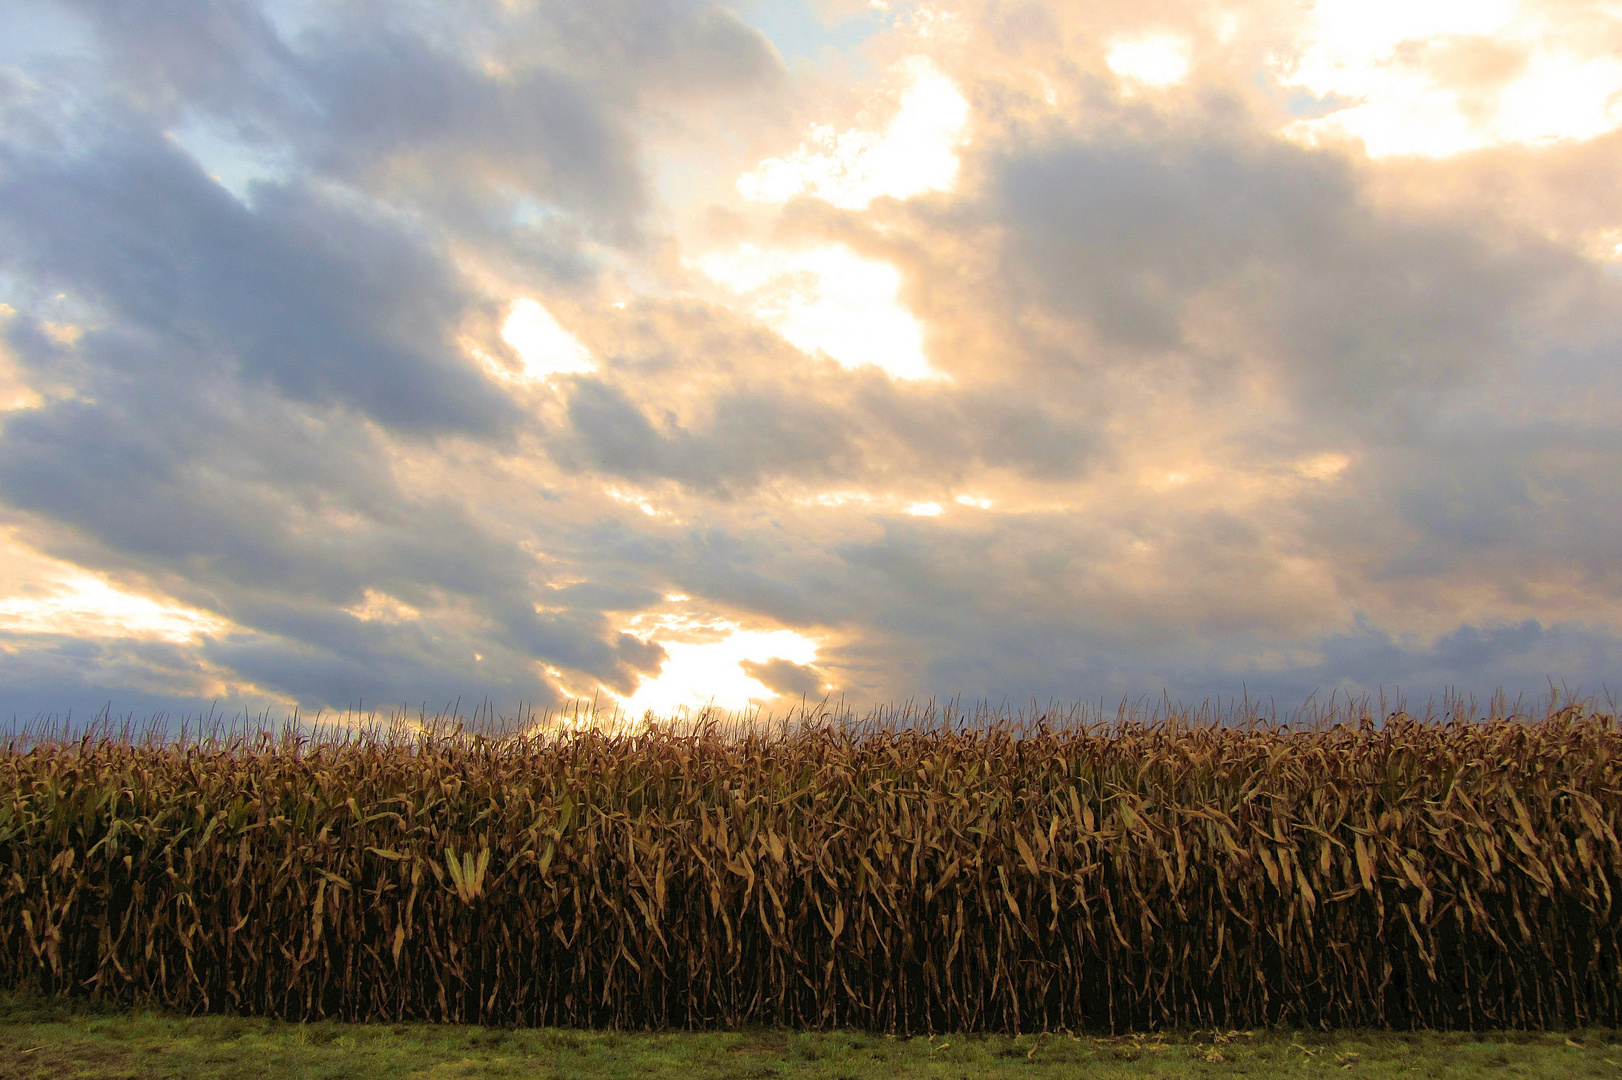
[675, 354]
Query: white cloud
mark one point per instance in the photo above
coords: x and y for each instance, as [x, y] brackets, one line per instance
[1153, 60]
[1323, 466]
[381, 607]
[1441, 78]
[545, 348]
[41, 595]
[914, 154]
[828, 299]
[632, 498]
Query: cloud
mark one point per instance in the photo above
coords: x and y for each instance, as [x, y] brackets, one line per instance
[544, 347]
[251, 363]
[715, 664]
[531, 351]
[1155, 60]
[292, 294]
[748, 437]
[1136, 236]
[76, 678]
[531, 97]
[915, 153]
[829, 300]
[786, 677]
[1447, 78]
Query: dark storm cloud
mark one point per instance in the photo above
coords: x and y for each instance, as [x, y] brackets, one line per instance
[1364, 313]
[230, 493]
[239, 520]
[748, 437]
[1005, 618]
[170, 55]
[318, 301]
[1045, 431]
[1118, 229]
[786, 677]
[1524, 507]
[54, 675]
[377, 671]
[817, 424]
[243, 365]
[458, 108]
[1434, 507]
[1357, 305]
[398, 104]
[1521, 658]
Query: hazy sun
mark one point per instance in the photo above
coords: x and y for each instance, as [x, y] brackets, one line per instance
[1154, 60]
[544, 347]
[706, 670]
[41, 595]
[915, 153]
[828, 299]
[1455, 75]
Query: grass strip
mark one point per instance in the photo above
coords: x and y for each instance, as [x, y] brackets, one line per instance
[43, 1038]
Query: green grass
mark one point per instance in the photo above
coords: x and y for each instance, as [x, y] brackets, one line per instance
[50, 1039]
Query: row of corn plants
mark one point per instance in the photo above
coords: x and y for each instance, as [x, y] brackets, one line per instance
[1401, 873]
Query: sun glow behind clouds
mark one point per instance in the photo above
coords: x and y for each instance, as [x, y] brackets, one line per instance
[1154, 60]
[914, 154]
[828, 299]
[1446, 77]
[381, 607]
[47, 596]
[706, 669]
[544, 347]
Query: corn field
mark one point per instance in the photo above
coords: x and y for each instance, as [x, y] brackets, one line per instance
[944, 877]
